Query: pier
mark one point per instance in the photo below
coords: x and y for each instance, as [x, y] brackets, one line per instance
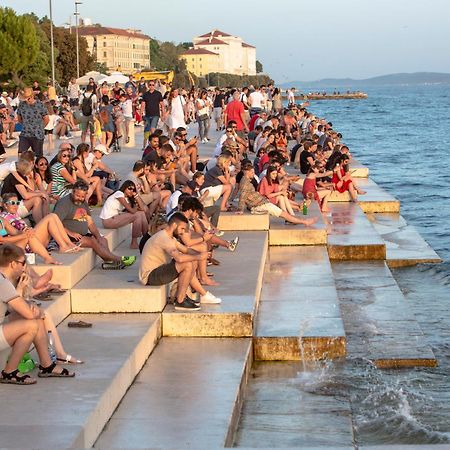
[159, 378]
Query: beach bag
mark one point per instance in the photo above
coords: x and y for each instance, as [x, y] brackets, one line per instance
[104, 117]
[86, 105]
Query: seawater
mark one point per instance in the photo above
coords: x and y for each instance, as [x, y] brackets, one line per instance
[402, 133]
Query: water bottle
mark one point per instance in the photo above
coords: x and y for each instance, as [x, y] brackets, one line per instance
[305, 208]
[51, 349]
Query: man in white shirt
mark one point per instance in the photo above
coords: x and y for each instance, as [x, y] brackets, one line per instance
[256, 101]
[291, 97]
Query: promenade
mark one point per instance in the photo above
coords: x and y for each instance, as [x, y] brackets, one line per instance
[159, 378]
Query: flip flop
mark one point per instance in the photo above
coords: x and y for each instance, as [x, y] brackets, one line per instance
[57, 291]
[79, 324]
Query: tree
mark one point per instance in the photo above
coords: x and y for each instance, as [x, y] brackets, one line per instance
[259, 67]
[19, 45]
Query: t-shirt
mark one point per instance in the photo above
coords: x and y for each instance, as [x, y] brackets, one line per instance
[173, 201]
[32, 119]
[152, 155]
[157, 252]
[234, 111]
[74, 217]
[9, 186]
[220, 98]
[256, 99]
[212, 177]
[304, 164]
[7, 293]
[152, 101]
[6, 168]
[127, 108]
[112, 206]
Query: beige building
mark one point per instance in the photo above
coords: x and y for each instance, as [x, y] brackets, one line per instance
[122, 50]
[232, 55]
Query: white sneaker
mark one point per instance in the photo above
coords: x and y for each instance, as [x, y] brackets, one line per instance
[210, 298]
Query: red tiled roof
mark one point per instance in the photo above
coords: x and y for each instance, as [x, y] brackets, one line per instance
[247, 45]
[213, 41]
[198, 51]
[95, 31]
[215, 33]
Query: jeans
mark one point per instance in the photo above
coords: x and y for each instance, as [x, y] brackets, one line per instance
[202, 128]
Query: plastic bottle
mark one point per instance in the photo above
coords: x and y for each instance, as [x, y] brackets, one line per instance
[305, 208]
[51, 349]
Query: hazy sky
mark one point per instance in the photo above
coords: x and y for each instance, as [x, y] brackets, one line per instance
[295, 39]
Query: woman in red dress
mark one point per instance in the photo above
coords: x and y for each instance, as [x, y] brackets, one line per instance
[342, 180]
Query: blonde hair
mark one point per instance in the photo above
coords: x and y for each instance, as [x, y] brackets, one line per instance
[221, 160]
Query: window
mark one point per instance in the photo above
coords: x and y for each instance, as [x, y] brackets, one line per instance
[104, 44]
[104, 54]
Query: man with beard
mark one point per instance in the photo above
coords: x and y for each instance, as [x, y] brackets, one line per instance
[75, 215]
[165, 259]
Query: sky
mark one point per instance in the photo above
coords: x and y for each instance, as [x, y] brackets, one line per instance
[294, 39]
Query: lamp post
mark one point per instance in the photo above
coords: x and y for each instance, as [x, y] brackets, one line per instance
[52, 44]
[76, 14]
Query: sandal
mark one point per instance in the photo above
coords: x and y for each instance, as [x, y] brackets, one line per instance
[68, 360]
[57, 291]
[214, 262]
[14, 378]
[44, 297]
[79, 324]
[47, 372]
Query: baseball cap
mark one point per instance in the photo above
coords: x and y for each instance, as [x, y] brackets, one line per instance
[101, 148]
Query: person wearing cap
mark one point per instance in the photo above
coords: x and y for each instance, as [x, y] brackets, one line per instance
[33, 116]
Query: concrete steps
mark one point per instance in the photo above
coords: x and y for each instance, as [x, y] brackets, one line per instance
[298, 315]
[282, 234]
[379, 323]
[71, 413]
[104, 291]
[243, 222]
[76, 266]
[404, 245]
[240, 277]
[351, 236]
[188, 395]
[283, 410]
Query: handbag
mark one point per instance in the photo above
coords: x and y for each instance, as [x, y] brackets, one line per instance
[203, 116]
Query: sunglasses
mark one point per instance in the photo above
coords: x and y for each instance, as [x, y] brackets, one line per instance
[152, 84]
[65, 156]
[43, 164]
[13, 202]
[131, 188]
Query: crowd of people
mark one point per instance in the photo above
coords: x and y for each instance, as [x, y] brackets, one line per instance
[171, 197]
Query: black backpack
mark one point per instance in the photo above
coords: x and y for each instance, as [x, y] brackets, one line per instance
[86, 105]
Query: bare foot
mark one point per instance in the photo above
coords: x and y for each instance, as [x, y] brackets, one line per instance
[209, 282]
[44, 279]
[310, 221]
[52, 261]
[361, 192]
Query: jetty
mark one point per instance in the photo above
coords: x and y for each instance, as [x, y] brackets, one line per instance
[328, 96]
[163, 379]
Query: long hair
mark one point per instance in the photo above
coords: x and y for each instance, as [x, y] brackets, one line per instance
[47, 174]
[271, 169]
[125, 185]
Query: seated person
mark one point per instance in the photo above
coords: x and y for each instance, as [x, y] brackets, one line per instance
[342, 179]
[165, 259]
[75, 215]
[25, 324]
[258, 204]
[63, 174]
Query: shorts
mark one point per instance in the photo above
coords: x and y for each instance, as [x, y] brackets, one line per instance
[88, 235]
[147, 198]
[163, 274]
[48, 131]
[214, 193]
[22, 210]
[217, 113]
[151, 122]
[25, 142]
[272, 209]
[3, 342]
[86, 123]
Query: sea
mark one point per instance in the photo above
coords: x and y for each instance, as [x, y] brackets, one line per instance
[402, 133]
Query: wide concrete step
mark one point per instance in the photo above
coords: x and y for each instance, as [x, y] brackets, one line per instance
[188, 395]
[282, 234]
[379, 323]
[282, 409]
[404, 245]
[351, 235]
[298, 315]
[243, 222]
[76, 266]
[105, 291]
[70, 413]
[240, 277]
[375, 200]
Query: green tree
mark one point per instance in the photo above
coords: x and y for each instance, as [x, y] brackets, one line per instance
[259, 67]
[19, 45]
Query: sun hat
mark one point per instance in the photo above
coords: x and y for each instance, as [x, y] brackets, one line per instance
[101, 148]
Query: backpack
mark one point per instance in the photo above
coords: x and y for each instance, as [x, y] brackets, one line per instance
[86, 105]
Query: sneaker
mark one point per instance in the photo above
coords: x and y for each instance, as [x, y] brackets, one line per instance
[113, 265]
[195, 301]
[128, 260]
[63, 138]
[210, 298]
[233, 244]
[186, 305]
[219, 233]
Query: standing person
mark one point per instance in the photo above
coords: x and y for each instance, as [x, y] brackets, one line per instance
[33, 116]
[234, 111]
[202, 110]
[142, 87]
[256, 101]
[277, 104]
[126, 105]
[88, 106]
[152, 108]
[177, 111]
[219, 105]
[73, 92]
[107, 122]
[291, 97]
[131, 84]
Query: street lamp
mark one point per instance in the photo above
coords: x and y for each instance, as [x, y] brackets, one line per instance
[76, 14]
[52, 44]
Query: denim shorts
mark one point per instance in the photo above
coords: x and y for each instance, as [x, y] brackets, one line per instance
[151, 122]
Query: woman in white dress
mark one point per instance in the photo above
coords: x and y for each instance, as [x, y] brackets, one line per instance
[177, 111]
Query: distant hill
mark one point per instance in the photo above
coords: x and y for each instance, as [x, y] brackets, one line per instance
[392, 79]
